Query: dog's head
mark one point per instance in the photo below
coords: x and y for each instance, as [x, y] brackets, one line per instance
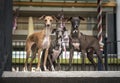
[60, 27]
[48, 20]
[61, 21]
[59, 32]
[75, 21]
[62, 37]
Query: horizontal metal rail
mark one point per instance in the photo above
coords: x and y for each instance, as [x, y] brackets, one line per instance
[62, 4]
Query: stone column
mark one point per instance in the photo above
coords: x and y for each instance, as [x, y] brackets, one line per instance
[30, 26]
[118, 26]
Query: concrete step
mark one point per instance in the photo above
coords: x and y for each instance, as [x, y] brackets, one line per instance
[62, 77]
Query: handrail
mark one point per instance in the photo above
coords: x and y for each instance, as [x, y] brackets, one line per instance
[62, 4]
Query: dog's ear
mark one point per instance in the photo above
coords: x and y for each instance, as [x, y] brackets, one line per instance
[42, 17]
[54, 17]
[54, 30]
[69, 19]
[81, 18]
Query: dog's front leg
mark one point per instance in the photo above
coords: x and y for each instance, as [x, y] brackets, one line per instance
[45, 59]
[38, 65]
[32, 58]
[99, 55]
[51, 63]
[26, 62]
[83, 59]
[58, 63]
[71, 58]
[91, 58]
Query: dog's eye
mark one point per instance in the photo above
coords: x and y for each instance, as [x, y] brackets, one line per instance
[45, 20]
[50, 20]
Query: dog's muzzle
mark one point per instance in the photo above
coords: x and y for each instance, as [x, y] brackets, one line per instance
[48, 25]
[76, 26]
[75, 31]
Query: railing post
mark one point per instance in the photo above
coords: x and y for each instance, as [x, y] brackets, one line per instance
[99, 26]
[105, 54]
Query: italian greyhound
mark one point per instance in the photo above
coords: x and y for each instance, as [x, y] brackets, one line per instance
[39, 41]
[84, 43]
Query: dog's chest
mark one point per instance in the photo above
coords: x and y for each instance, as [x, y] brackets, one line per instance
[56, 53]
[46, 42]
[65, 42]
[76, 44]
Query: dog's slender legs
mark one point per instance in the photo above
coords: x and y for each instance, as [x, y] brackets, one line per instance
[38, 65]
[83, 59]
[71, 58]
[33, 57]
[90, 58]
[52, 67]
[26, 62]
[58, 63]
[100, 58]
[28, 51]
[45, 59]
[34, 51]
[42, 59]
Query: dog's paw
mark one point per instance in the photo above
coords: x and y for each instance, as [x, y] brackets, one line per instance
[52, 67]
[38, 69]
[46, 69]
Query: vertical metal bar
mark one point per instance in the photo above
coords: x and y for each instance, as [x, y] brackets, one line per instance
[105, 54]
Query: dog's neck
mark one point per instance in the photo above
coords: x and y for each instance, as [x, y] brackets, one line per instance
[47, 31]
[80, 34]
[59, 41]
[57, 47]
[74, 33]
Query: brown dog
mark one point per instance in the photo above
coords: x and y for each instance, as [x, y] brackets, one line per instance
[38, 41]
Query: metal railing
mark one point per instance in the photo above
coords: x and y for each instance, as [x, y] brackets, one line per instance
[111, 60]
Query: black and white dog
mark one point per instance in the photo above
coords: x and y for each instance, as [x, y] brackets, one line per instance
[61, 40]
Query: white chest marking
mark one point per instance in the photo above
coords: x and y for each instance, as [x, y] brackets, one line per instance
[46, 42]
[55, 54]
[76, 45]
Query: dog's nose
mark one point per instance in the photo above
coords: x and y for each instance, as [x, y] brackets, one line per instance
[76, 26]
[59, 36]
[48, 25]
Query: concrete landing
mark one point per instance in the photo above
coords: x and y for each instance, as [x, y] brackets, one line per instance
[61, 77]
[63, 74]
